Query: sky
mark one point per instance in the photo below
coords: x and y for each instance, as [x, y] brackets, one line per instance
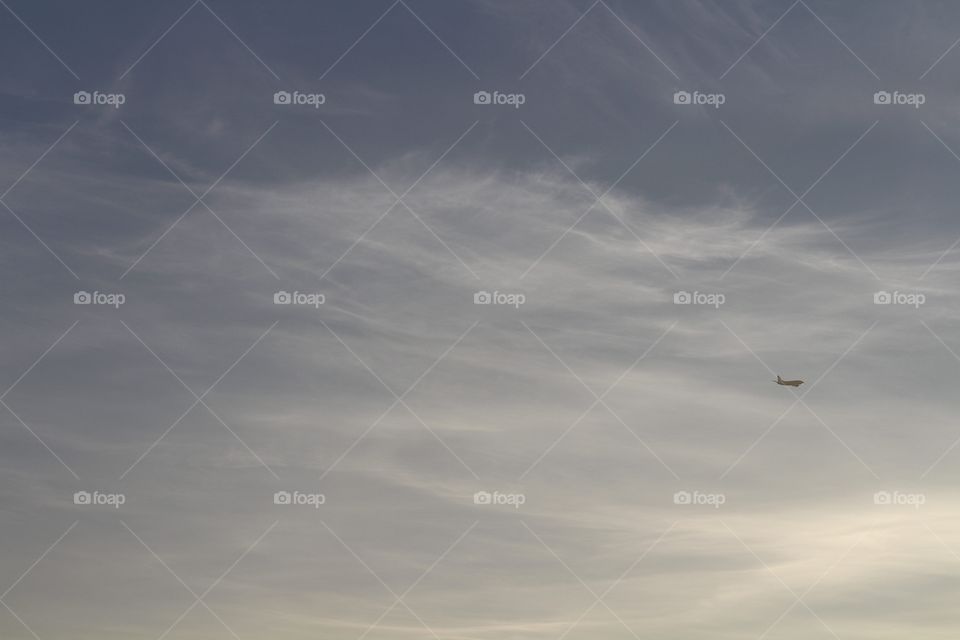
[412, 319]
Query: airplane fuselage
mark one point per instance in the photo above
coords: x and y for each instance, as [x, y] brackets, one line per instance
[789, 383]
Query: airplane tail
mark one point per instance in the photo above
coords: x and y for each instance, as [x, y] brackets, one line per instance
[779, 379]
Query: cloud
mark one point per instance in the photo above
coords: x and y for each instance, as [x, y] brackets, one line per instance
[399, 398]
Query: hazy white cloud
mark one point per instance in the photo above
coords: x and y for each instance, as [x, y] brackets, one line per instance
[591, 413]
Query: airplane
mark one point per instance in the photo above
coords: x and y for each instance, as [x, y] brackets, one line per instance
[788, 383]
